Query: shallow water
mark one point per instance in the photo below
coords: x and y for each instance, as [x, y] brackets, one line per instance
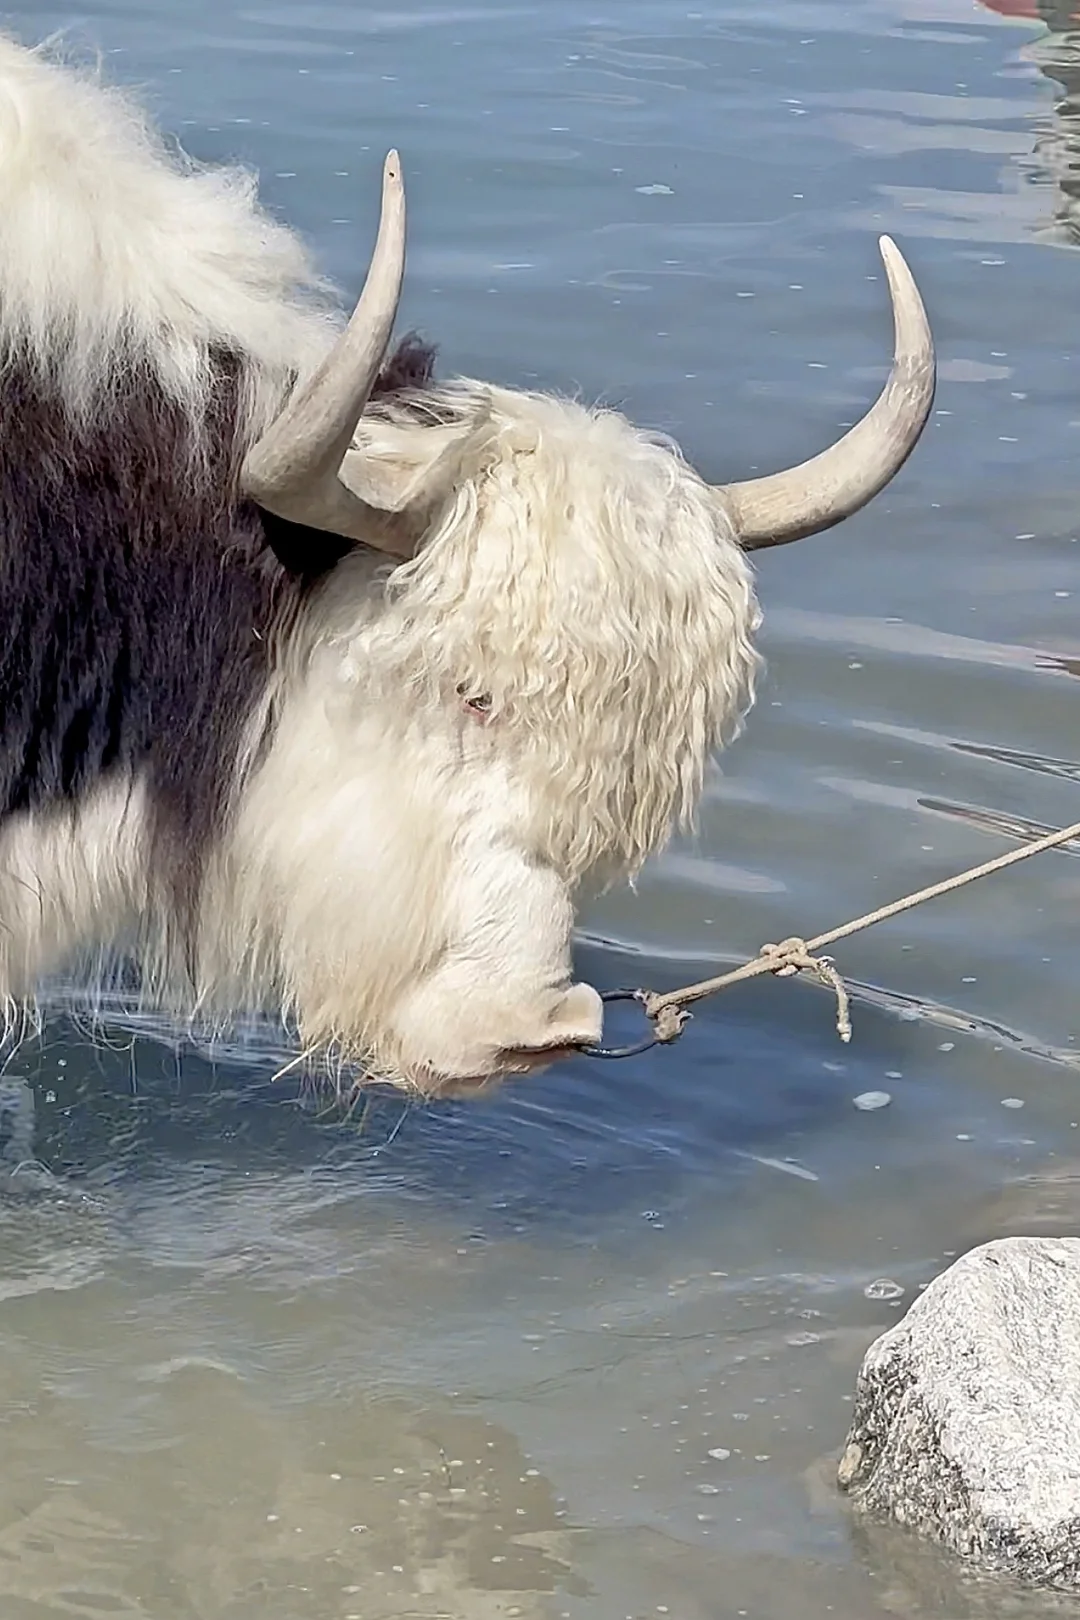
[587, 1348]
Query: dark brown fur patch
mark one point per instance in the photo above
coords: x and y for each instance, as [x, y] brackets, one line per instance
[137, 600]
[408, 367]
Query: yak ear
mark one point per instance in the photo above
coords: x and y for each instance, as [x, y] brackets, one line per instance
[397, 465]
[399, 471]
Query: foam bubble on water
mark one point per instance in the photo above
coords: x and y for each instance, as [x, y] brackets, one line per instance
[867, 1101]
[883, 1288]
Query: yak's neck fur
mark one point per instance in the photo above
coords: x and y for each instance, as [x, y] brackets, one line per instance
[152, 320]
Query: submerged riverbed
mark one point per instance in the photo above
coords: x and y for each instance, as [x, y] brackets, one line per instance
[586, 1348]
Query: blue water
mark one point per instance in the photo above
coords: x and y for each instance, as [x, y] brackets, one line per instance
[607, 1324]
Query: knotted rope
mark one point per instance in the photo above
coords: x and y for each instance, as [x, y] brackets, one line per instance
[669, 1013]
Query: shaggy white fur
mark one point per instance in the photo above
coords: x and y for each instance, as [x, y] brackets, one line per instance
[399, 870]
[118, 250]
[584, 580]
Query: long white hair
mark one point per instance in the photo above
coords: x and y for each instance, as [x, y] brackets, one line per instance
[583, 589]
[119, 254]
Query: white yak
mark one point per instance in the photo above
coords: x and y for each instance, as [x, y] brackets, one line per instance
[325, 687]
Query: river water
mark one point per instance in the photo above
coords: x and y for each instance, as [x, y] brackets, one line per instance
[587, 1348]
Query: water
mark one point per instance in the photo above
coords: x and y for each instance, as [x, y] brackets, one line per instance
[587, 1348]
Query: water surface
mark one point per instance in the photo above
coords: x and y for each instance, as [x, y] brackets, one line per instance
[587, 1348]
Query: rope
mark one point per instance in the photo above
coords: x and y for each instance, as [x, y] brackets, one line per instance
[669, 1013]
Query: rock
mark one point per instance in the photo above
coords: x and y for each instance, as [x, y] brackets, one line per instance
[967, 1414]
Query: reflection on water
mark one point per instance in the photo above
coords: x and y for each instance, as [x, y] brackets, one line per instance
[1056, 54]
[586, 1347]
[399, 1508]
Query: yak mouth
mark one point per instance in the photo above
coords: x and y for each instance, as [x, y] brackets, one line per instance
[515, 1063]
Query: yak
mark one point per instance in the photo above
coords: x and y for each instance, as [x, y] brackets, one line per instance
[326, 687]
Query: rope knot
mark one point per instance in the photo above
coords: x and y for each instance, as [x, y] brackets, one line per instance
[668, 1013]
[789, 957]
[792, 956]
[669, 1023]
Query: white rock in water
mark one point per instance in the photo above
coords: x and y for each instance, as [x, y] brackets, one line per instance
[966, 1425]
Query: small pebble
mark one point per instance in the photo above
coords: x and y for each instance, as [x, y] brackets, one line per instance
[720, 1453]
[869, 1100]
[1012, 1102]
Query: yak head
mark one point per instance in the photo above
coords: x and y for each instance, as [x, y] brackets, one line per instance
[522, 700]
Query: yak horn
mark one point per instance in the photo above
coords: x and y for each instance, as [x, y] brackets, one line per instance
[821, 492]
[293, 470]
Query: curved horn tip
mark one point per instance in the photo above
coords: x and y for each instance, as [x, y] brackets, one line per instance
[897, 269]
[823, 491]
[893, 260]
